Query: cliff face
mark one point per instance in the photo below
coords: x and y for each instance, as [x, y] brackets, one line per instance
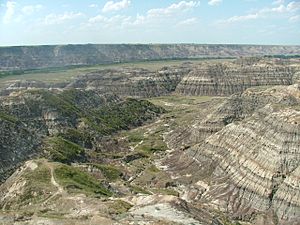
[196, 79]
[17, 142]
[249, 165]
[208, 79]
[224, 79]
[258, 164]
[132, 82]
[15, 58]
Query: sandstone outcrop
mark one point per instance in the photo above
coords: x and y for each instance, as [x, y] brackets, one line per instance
[206, 78]
[251, 165]
[235, 108]
[227, 79]
[132, 82]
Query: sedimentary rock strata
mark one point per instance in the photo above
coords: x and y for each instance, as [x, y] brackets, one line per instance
[132, 82]
[251, 166]
[26, 57]
[227, 79]
[235, 108]
[206, 78]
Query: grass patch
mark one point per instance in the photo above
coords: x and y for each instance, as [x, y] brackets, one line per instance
[135, 156]
[80, 137]
[64, 151]
[8, 117]
[60, 74]
[139, 190]
[119, 207]
[122, 116]
[75, 180]
[135, 137]
[110, 172]
[164, 191]
[153, 146]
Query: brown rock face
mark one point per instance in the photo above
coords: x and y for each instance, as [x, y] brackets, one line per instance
[132, 82]
[227, 79]
[206, 78]
[251, 166]
[33, 57]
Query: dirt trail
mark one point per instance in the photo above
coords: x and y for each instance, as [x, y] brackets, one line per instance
[60, 189]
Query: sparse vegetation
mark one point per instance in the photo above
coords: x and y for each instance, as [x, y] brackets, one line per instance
[38, 186]
[64, 151]
[75, 180]
[139, 190]
[110, 172]
[165, 191]
[7, 117]
[119, 207]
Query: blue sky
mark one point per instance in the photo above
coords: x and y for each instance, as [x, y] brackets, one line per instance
[33, 22]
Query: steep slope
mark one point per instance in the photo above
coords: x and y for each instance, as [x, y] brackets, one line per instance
[65, 122]
[32, 57]
[235, 108]
[132, 82]
[226, 79]
[250, 168]
[204, 78]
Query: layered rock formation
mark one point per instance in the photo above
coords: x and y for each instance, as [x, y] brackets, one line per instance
[33, 57]
[205, 78]
[251, 166]
[227, 79]
[208, 79]
[132, 82]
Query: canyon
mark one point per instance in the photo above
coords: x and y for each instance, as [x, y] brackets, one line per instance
[206, 141]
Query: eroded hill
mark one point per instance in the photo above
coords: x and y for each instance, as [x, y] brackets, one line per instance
[177, 157]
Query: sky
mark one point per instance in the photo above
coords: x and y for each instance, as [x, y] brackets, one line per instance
[40, 22]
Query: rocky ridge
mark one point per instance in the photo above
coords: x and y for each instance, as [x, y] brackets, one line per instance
[250, 166]
[33, 57]
[195, 79]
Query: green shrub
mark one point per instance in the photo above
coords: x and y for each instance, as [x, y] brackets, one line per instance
[64, 151]
[110, 172]
[79, 181]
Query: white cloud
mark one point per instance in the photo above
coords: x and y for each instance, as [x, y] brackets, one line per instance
[115, 6]
[109, 22]
[52, 19]
[293, 6]
[290, 8]
[29, 9]
[215, 2]
[93, 5]
[278, 2]
[153, 17]
[188, 22]
[294, 19]
[242, 18]
[10, 11]
[182, 6]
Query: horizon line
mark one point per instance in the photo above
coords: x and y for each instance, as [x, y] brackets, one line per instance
[150, 43]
